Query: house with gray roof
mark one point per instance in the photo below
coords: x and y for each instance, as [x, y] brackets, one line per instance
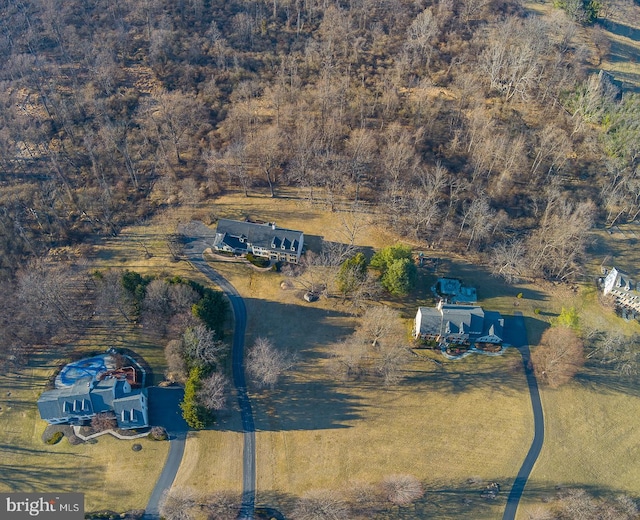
[78, 403]
[460, 324]
[263, 240]
[623, 288]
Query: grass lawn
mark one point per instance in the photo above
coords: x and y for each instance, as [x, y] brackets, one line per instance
[111, 475]
[591, 442]
[456, 426]
[448, 424]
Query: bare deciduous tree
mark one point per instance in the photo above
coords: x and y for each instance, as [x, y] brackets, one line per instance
[559, 356]
[213, 392]
[182, 297]
[266, 363]
[378, 323]
[201, 346]
[176, 367]
[321, 505]
[221, 506]
[112, 296]
[507, 260]
[179, 504]
[376, 349]
[157, 305]
[403, 489]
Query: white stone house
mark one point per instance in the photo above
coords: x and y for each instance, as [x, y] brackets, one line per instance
[623, 288]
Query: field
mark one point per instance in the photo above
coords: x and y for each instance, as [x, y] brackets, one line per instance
[315, 432]
[445, 423]
[455, 425]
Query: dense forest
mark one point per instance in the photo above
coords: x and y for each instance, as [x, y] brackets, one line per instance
[473, 125]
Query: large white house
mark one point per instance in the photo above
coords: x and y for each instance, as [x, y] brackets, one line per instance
[458, 324]
[263, 240]
[623, 288]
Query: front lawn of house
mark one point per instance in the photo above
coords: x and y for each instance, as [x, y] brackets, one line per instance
[110, 474]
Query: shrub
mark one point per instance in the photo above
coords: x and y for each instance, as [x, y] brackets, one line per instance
[158, 433]
[257, 261]
[192, 412]
[55, 438]
[212, 310]
[104, 421]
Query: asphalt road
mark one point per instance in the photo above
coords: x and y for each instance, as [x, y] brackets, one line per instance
[518, 338]
[198, 234]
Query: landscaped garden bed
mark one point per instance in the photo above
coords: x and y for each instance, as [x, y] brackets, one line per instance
[457, 350]
[489, 347]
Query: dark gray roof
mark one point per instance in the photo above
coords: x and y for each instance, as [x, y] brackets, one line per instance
[80, 400]
[104, 392]
[431, 320]
[72, 401]
[493, 324]
[261, 235]
[461, 319]
[129, 410]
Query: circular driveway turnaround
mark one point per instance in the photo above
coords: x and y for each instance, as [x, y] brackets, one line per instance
[196, 234]
[518, 338]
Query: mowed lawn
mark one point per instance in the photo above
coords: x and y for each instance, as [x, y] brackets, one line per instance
[111, 475]
[455, 425]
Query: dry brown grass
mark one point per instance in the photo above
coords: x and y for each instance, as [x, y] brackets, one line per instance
[445, 424]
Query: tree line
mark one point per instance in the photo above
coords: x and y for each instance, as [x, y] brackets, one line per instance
[472, 125]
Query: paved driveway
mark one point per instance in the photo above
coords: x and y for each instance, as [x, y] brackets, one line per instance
[164, 410]
[517, 336]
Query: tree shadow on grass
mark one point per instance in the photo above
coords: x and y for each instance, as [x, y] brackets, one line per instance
[471, 373]
[307, 406]
[605, 378]
[441, 501]
[300, 329]
[487, 286]
[47, 476]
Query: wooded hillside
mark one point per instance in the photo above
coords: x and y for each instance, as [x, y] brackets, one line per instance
[475, 125]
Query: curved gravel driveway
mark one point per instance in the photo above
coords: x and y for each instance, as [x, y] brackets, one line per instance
[198, 238]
